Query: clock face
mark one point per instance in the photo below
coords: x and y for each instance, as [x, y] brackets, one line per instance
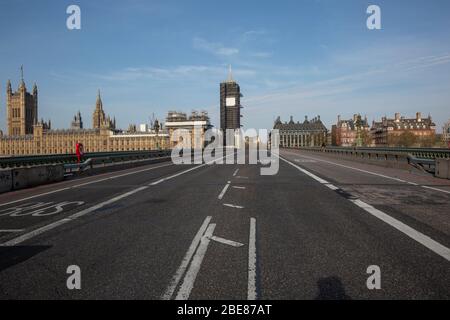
[231, 102]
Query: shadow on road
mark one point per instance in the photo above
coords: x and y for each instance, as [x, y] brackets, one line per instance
[331, 288]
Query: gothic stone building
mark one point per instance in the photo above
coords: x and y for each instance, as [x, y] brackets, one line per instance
[27, 136]
[306, 134]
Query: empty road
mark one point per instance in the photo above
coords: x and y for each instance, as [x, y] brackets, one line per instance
[225, 232]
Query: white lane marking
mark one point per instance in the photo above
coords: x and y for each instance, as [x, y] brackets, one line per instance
[224, 190]
[376, 174]
[238, 187]
[227, 242]
[435, 189]
[176, 175]
[251, 289]
[235, 173]
[233, 206]
[241, 177]
[55, 224]
[194, 268]
[183, 172]
[424, 240]
[185, 262]
[84, 184]
[11, 230]
[306, 172]
[72, 217]
[331, 186]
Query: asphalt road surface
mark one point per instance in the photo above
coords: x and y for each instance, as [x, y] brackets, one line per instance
[225, 232]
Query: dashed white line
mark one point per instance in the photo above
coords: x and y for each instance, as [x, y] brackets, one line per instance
[194, 268]
[238, 187]
[11, 230]
[185, 262]
[233, 206]
[424, 240]
[235, 172]
[224, 190]
[251, 288]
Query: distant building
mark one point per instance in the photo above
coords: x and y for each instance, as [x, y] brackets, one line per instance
[230, 104]
[446, 133]
[306, 134]
[143, 127]
[77, 122]
[99, 120]
[352, 132]
[21, 109]
[404, 132]
[41, 139]
[196, 124]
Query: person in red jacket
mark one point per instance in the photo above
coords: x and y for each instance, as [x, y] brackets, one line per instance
[79, 151]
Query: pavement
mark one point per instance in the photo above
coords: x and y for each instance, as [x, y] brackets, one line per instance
[166, 231]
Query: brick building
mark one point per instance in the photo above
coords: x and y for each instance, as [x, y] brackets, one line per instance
[403, 132]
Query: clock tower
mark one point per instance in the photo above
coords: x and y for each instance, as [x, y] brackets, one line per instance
[230, 104]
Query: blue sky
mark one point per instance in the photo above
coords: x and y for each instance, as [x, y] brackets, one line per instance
[302, 57]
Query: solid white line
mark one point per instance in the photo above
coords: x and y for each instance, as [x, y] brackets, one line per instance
[237, 187]
[194, 268]
[183, 172]
[435, 189]
[227, 242]
[11, 230]
[410, 232]
[72, 217]
[176, 175]
[235, 173]
[224, 190]
[233, 206]
[84, 184]
[251, 289]
[376, 174]
[318, 179]
[426, 241]
[241, 177]
[185, 262]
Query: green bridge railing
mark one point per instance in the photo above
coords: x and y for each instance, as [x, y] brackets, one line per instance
[22, 161]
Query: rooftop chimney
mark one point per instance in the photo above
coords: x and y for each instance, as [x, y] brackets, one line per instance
[418, 117]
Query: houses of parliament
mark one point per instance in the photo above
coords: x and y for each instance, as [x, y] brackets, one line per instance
[29, 136]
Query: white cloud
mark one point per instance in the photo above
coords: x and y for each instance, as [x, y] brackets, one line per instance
[215, 48]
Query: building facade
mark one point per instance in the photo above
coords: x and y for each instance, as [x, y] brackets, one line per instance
[306, 134]
[446, 133]
[403, 132]
[77, 122]
[42, 140]
[230, 104]
[21, 109]
[196, 124]
[354, 132]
